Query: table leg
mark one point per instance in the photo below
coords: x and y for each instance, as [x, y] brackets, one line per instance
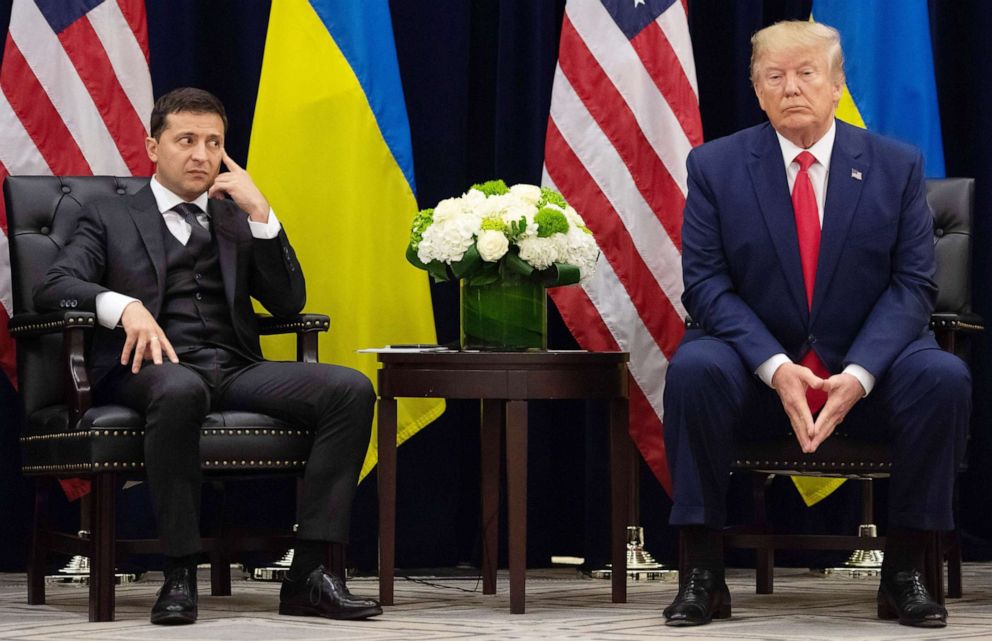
[620, 464]
[516, 495]
[387, 498]
[493, 417]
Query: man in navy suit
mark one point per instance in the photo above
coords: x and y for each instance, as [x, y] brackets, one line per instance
[808, 266]
[170, 273]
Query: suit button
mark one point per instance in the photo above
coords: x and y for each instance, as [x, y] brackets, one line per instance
[198, 296]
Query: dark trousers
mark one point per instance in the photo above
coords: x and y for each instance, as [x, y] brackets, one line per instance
[335, 402]
[921, 406]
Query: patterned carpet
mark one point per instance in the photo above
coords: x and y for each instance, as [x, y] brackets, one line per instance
[560, 605]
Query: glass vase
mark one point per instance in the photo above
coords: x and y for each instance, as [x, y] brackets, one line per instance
[509, 315]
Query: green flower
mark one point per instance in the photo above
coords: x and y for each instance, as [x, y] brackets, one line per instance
[550, 221]
[551, 197]
[421, 222]
[494, 224]
[492, 187]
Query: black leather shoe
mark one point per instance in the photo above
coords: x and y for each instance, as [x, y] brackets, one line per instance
[176, 604]
[702, 597]
[903, 596]
[322, 594]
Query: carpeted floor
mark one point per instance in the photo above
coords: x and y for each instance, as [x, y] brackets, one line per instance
[560, 605]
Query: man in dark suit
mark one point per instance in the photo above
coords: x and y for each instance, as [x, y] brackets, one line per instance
[169, 273]
[821, 300]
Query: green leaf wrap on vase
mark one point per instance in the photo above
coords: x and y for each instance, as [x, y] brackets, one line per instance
[510, 314]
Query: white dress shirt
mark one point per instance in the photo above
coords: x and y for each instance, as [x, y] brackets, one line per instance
[110, 305]
[819, 174]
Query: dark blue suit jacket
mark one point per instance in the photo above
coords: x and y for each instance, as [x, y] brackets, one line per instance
[874, 287]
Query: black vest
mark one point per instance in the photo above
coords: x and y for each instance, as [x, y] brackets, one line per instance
[195, 312]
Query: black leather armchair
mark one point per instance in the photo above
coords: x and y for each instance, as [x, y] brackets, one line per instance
[952, 203]
[66, 436]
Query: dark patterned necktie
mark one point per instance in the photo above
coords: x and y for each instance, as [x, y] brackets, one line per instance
[199, 237]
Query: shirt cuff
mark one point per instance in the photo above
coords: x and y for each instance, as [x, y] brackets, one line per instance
[110, 307]
[265, 231]
[767, 369]
[867, 380]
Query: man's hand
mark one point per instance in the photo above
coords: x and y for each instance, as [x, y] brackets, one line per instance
[791, 381]
[144, 337]
[237, 184]
[843, 391]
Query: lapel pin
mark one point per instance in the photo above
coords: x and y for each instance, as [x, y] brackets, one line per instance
[856, 174]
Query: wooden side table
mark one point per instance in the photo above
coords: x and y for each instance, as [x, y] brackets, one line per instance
[504, 382]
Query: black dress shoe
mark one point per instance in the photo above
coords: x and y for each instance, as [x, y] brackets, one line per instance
[903, 596]
[702, 597]
[322, 594]
[176, 602]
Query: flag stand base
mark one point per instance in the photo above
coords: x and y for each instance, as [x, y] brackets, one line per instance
[641, 566]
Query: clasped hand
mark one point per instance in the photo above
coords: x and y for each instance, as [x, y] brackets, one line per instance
[791, 382]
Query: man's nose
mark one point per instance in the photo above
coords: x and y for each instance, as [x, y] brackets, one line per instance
[791, 84]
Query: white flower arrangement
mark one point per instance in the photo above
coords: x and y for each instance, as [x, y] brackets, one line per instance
[492, 228]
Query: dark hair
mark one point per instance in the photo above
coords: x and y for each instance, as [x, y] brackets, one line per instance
[188, 99]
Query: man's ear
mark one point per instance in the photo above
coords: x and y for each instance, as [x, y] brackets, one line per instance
[151, 148]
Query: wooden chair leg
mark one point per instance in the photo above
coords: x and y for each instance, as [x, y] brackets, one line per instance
[336, 560]
[953, 548]
[103, 537]
[220, 558]
[38, 555]
[765, 571]
[764, 567]
[934, 568]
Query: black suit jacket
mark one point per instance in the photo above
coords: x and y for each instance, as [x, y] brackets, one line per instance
[118, 246]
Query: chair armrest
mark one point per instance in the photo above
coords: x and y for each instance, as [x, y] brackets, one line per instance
[269, 325]
[947, 325]
[970, 322]
[27, 325]
[305, 326]
[74, 327]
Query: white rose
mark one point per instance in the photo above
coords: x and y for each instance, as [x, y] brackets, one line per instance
[528, 193]
[539, 253]
[492, 245]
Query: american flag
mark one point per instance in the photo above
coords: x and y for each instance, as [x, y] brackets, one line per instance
[624, 115]
[75, 98]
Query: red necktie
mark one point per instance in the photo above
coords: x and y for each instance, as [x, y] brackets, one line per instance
[808, 230]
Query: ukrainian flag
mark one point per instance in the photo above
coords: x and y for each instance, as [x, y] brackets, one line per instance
[330, 148]
[888, 61]
[890, 75]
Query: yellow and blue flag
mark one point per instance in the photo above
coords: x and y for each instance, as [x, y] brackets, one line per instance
[330, 148]
[891, 89]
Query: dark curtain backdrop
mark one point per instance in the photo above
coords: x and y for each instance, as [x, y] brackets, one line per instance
[477, 79]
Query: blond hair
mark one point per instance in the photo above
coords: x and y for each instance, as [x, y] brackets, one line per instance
[798, 34]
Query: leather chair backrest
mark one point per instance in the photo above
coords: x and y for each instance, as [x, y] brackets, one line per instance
[952, 201]
[42, 212]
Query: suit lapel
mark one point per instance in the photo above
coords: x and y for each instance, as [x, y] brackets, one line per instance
[222, 221]
[848, 172]
[767, 170]
[148, 219]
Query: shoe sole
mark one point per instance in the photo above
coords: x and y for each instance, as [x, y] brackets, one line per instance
[347, 615]
[173, 618]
